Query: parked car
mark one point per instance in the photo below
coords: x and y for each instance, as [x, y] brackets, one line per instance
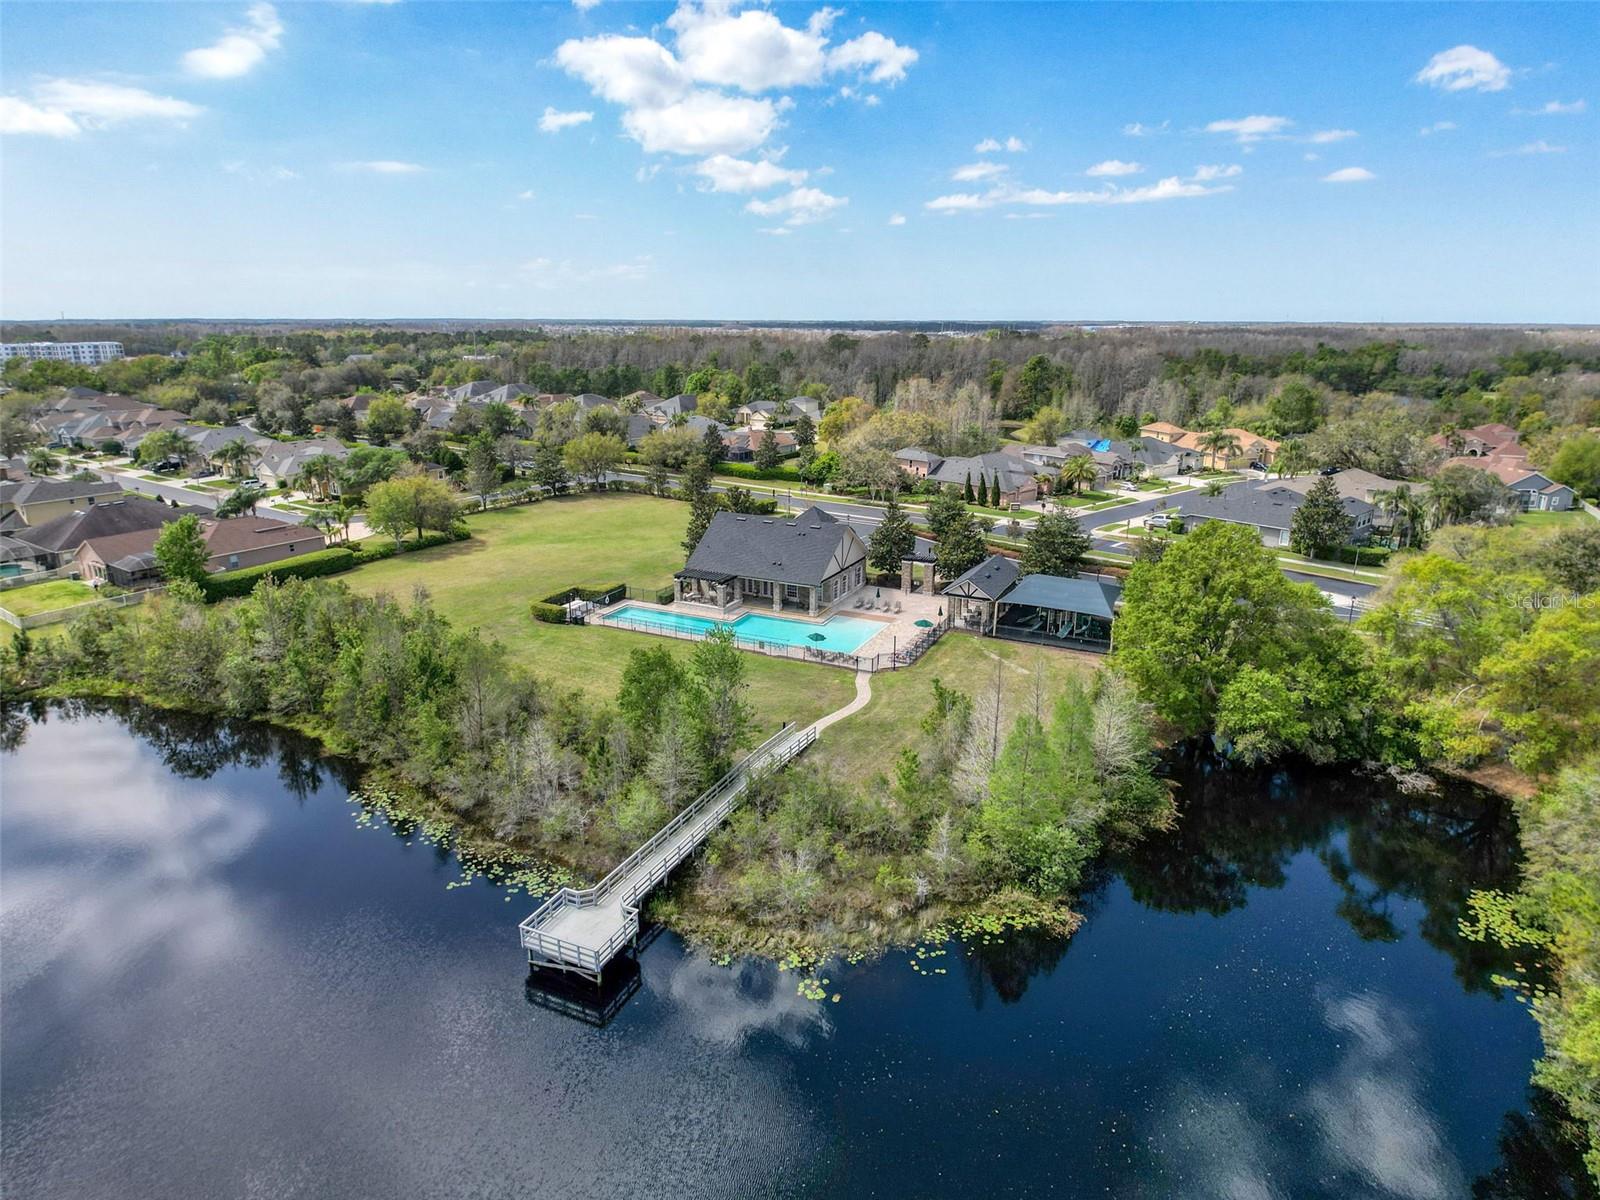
[1158, 520]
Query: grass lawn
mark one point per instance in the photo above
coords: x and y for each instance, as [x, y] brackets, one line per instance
[521, 554]
[45, 597]
[1553, 520]
[867, 743]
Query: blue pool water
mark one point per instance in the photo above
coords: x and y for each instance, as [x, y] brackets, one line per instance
[844, 634]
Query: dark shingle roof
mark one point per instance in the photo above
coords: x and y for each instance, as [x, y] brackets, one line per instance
[42, 491]
[1271, 507]
[102, 520]
[796, 551]
[1064, 595]
[992, 577]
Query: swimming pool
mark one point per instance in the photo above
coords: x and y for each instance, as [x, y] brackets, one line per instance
[842, 634]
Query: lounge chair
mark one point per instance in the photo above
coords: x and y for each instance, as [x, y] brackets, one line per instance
[858, 602]
[897, 606]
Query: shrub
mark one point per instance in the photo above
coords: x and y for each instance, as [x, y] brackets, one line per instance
[227, 584]
[666, 595]
[751, 471]
[551, 614]
[1369, 556]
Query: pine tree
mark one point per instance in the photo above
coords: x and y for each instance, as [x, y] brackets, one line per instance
[893, 540]
[961, 548]
[1320, 523]
[966, 490]
[702, 503]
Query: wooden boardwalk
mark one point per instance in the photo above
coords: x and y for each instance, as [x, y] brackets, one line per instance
[582, 929]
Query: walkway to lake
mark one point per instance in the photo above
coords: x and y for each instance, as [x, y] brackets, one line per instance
[582, 929]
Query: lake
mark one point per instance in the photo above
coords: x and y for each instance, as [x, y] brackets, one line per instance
[219, 982]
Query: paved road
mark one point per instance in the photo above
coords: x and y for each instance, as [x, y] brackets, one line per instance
[198, 498]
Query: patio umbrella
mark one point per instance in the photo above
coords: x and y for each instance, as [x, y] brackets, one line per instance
[925, 623]
[817, 637]
[879, 596]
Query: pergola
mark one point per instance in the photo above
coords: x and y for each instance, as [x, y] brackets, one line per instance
[1051, 608]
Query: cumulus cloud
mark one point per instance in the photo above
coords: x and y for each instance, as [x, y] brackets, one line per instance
[1252, 128]
[673, 97]
[1555, 108]
[584, 5]
[1114, 166]
[803, 206]
[1140, 129]
[1324, 136]
[67, 107]
[1210, 171]
[384, 166]
[241, 49]
[1171, 188]
[1539, 147]
[1465, 68]
[1012, 145]
[1348, 175]
[554, 121]
[724, 173]
[973, 172]
[1436, 127]
[897, 219]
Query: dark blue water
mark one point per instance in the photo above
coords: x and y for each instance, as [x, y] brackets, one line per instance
[216, 982]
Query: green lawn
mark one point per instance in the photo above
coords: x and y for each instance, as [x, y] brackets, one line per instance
[45, 597]
[1553, 520]
[867, 743]
[518, 555]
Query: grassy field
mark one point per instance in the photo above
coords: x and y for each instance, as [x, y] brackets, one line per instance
[867, 743]
[1553, 520]
[45, 597]
[518, 555]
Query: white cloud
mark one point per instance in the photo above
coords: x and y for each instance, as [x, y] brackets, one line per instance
[1171, 188]
[19, 116]
[384, 166]
[752, 50]
[1348, 175]
[1465, 68]
[1252, 128]
[241, 49]
[554, 121]
[973, 172]
[584, 5]
[879, 59]
[1114, 166]
[1323, 136]
[527, 195]
[897, 219]
[1309, 156]
[1012, 145]
[1555, 108]
[632, 71]
[1436, 127]
[724, 173]
[1210, 171]
[803, 206]
[775, 230]
[67, 107]
[1539, 147]
[1140, 129]
[703, 122]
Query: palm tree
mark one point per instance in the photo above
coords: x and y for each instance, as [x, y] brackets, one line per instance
[343, 513]
[237, 457]
[1292, 460]
[1077, 471]
[317, 476]
[167, 443]
[322, 519]
[1404, 510]
[41, 461]
[1220, 444]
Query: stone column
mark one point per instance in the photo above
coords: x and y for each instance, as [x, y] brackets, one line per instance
[906, 569]
[927, 578]
[777, 597]
[814, 592]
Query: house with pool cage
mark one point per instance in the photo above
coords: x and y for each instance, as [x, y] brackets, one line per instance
[810, 562]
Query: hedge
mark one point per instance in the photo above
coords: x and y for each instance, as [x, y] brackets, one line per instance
[388, 549]
[567, 595]
[1366, 556]
[666, 595]
[552, 614]
[227, 584]
[751, 471]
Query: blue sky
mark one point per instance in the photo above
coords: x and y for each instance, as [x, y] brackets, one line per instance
[972, 161]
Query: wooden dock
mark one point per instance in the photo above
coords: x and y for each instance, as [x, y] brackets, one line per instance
[582, 929]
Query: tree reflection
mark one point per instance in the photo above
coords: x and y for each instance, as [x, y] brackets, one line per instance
[1541, 1156]
[1240, 829]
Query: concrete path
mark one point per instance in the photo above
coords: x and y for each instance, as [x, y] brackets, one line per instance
[863, 698]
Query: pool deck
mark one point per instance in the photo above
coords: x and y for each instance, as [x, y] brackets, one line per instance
[899, 629]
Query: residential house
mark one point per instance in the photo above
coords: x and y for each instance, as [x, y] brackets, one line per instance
[662, 412]
[128, 559]
[1481, 441]
[1166, 431]
[811, 561]
[1253, 447]
[40, 500]
[281, 462]
[1355, 484]
[637, 427]
[1017, 482]
[591, 400]
[1535, 491]
[18, 558]
[740, 445]
[916, 461]
[1268, 507]
[57, 541]
[758, 414]
[635, 401]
